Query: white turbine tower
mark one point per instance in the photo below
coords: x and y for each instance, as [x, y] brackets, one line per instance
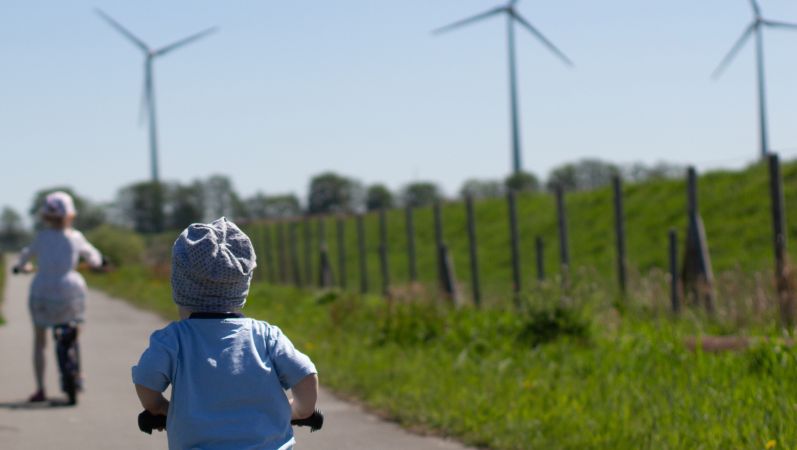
[148, 94]
[512, 17]
[756, 29]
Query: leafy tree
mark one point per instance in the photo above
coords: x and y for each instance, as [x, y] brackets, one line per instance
[582, 175]
[184, 205]
[330, 192]
[262, 206]
[522, 182]
[140, 206]
[88, 215]
[661, 170]
[12, 233]
[378, 197]
[220, 199]
[421, 193]
[482, 188]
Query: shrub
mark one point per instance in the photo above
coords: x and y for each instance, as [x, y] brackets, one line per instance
[118, 245]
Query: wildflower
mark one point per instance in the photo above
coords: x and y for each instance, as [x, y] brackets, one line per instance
[771, 444]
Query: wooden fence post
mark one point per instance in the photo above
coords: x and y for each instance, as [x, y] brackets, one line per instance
[540, 251]
[383, 255]
[341, 232]
[474, 254]
[308, 249]
[785, 290]
[619, 231]
[697, 276]
[325, 278]
[674, 297]
[268, 247]
[410, 227]
[514, 244]
[564, 248]
[363, 256]
[294, 249]
[449, 281]
[281, 270]
[438, 241]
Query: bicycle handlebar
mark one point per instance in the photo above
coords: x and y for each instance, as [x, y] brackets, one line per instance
[148, 421]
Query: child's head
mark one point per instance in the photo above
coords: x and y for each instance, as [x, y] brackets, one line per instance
[58, 210]
[212, 266]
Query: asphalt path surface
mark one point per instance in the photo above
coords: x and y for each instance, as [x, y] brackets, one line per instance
[105, 417]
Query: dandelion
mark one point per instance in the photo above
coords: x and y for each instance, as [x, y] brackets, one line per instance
[771, 444]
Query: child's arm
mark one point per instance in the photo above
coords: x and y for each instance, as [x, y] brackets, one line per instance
[152, 401]
[305, 394]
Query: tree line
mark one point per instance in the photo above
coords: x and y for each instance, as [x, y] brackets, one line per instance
[147, 207]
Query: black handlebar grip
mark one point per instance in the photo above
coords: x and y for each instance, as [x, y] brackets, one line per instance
[315, 421]
[148, 421]
[15, 270]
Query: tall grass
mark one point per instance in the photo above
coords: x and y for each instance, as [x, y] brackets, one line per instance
[569, 368]
[568, 372]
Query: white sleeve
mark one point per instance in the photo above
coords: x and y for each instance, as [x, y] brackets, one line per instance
[87, 251]
[28, 252]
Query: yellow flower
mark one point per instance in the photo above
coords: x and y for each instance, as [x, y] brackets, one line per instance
[771, 444]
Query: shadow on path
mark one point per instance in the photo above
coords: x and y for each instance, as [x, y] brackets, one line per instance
[24, 404]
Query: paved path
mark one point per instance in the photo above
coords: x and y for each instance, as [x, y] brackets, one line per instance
[114, 337]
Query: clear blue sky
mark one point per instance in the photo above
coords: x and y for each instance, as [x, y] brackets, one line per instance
[286, 90]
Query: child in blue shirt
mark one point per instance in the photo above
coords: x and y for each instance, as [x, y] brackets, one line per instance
[228, 372]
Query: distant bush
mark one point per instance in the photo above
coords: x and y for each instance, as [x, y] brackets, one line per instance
[547, 324]
[420, 193]
[522, 182]
[119, 245]
[482, 189]
[377, 197]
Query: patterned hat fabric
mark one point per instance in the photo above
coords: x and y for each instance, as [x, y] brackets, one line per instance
[58, 204]
[212, 266]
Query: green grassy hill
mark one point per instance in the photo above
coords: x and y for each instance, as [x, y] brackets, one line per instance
[734, 205]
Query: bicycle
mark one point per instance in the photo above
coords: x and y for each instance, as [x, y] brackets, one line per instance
[67, 349]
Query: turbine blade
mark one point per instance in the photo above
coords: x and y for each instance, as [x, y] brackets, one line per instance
[185, 41]
[734, 50]
[777, 24]
[542, 38]
[756, 8]
[132, 37]
[470, 20]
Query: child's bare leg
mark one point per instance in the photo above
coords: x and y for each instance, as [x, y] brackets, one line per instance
[39, 344]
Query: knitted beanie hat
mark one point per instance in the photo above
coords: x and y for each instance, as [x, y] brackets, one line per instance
[212, 267]
[58, 204]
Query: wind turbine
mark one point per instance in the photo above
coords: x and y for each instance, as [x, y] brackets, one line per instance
[148, 94]
[755, 28]
[512, 17]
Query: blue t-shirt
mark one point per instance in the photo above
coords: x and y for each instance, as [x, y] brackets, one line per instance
[228, 377]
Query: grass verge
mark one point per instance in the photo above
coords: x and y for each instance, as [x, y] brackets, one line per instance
[567, 377]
